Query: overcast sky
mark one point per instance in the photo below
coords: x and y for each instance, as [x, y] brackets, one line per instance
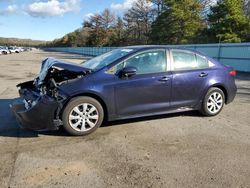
[50, 19]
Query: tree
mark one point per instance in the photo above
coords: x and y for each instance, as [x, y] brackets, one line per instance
[138, 21]
[227, 22]
[159, 5]
[118, 37]
[206, 5]
[178, 23]
[83, 38]
[108, 19]
[100, 28]
[165, 22]
[246, 7]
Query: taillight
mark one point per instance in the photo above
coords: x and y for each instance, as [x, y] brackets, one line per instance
[233, 73]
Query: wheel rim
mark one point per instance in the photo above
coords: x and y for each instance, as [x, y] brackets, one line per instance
[83, 117]
[215, 102]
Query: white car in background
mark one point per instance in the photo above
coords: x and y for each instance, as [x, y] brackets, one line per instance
[14, 50]
[4, 50]
[1, 52]
[21, 49]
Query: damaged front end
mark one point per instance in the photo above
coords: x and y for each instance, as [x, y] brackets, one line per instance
[42, 100]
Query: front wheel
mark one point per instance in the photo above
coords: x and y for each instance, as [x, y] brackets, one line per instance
[82, 116]
[213, 102]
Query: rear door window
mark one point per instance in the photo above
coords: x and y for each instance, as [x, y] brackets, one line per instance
[185, 60]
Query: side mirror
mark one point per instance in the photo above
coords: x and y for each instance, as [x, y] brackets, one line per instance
[128, 72]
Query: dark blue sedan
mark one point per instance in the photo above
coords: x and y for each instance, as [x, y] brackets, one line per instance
[125, 83]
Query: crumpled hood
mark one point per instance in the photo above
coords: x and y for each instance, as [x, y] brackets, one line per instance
[60, 65]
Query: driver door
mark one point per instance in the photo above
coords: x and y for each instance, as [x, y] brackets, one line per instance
[149, 90]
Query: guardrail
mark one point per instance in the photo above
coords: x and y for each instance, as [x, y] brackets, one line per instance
[236, 55]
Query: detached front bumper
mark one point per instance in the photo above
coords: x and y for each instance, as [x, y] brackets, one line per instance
[39, 116]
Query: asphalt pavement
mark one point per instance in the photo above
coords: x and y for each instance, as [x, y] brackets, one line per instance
[175, 150]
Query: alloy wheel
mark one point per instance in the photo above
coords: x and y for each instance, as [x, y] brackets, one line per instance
[83, 117]
[215, 102]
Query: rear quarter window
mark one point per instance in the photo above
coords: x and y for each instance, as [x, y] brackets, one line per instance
[202, 62]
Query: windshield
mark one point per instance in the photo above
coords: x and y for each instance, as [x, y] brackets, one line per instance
[103, 60]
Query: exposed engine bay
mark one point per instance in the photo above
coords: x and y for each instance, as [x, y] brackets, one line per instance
[44, 93]
[54, 74]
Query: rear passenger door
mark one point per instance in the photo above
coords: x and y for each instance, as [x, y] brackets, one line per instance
[189, 78]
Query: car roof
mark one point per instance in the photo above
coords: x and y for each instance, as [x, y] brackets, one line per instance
[147, 47]
[142, 47]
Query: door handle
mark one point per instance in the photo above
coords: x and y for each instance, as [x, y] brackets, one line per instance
[164, 79]
[203, 74]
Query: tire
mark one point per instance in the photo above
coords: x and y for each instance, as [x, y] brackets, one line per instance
[213, 102]
[82, 116]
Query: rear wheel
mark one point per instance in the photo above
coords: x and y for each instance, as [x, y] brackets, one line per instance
[213, 102]
[82, 116]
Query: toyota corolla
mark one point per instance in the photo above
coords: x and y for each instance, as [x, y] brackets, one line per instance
[124, 83]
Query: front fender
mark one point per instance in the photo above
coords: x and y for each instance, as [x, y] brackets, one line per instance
[89, 87]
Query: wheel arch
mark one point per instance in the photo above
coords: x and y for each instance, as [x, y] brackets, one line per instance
[223, 88]
[87, 94]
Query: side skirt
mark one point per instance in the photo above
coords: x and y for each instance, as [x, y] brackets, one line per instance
[183, 109]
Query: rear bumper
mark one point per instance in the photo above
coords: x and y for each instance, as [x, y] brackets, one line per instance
[40, 116]
[231, 93]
